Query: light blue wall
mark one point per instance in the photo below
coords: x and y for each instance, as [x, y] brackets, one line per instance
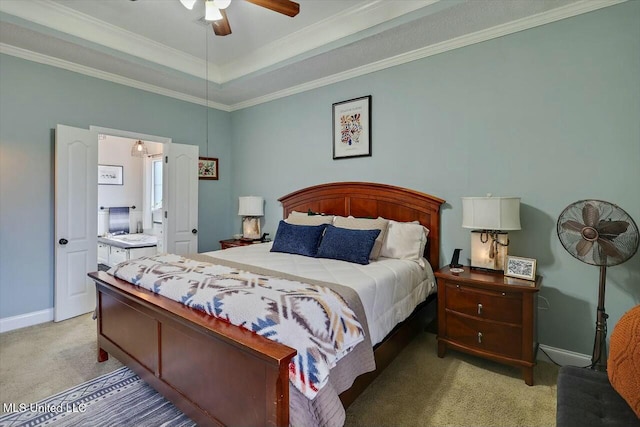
[33, 99]
[550, 114]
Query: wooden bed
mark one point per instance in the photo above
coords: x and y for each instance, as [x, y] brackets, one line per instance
[220, 374]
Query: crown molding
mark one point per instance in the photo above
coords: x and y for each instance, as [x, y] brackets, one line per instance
[66, 20]
[103, 75]
[533, 21]
[554, 15]
[351, 21]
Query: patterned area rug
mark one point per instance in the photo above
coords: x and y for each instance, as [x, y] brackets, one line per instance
[119, 398]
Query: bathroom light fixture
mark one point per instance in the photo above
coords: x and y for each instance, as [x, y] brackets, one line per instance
[211, 12]
[251, 208]
[139, 149]
[490, 217]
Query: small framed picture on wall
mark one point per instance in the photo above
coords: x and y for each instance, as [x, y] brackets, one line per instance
[208, 168]
[110, 175]
[352, 128]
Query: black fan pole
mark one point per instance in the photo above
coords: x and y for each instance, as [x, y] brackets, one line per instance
[599, 356]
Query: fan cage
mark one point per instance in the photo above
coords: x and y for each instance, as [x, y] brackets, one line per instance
[626, 242]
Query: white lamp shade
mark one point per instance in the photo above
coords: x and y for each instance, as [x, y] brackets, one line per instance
[251, 206]
[491, 213]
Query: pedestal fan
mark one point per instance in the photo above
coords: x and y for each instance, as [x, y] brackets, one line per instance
[603, 234]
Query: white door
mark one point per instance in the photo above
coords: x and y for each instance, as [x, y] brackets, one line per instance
[180, 192]
[76, 201]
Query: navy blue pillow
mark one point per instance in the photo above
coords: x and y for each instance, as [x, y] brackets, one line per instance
[347, 245]
[298, 239]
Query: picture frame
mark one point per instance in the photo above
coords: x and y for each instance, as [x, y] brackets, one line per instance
[110, 175]
[522, 268]
[352, 128]
[208, 168]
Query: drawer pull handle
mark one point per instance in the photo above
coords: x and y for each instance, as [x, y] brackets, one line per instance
[479, 308]
[480, 337]
[504, 294]
[458, 286]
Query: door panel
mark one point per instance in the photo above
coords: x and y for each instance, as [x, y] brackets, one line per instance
[180, 190]
[76, 201]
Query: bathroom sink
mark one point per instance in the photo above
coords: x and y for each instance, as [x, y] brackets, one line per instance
[135, 238]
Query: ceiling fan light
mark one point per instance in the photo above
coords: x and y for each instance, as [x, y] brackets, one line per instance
[222, 4]
[188, 3]
[211, 12]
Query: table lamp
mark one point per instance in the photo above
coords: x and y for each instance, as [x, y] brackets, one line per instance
[490, 218]
[251, 208]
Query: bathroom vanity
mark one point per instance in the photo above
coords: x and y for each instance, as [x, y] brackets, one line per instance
[115, 249]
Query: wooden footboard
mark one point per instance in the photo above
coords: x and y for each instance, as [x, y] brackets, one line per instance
[220, 374]
[214, 372]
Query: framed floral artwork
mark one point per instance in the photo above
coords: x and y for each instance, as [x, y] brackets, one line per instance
[352, 128]
[208, 168]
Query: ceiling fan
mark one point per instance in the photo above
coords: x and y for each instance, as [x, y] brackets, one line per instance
[215, 11]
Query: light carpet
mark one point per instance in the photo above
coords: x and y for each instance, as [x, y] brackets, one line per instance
[421, 389]
[417, 389]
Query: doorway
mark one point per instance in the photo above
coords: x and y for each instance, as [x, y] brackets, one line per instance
[130, 206]
[76, 207]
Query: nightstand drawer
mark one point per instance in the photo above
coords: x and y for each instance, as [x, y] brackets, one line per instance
[488, 315]
[505, 340]
[484, 304]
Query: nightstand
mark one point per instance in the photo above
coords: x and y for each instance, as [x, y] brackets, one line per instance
[232, 243]
[489, 315]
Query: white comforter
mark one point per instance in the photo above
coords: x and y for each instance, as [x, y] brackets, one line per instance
[390, 289]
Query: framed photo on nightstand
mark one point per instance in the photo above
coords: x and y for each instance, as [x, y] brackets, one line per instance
[522, 268]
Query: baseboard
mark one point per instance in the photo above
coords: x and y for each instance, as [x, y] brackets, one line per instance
[28, 319]
[563, 357]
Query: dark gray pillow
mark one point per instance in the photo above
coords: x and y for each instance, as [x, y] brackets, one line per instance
[298, 239]
[347, 245]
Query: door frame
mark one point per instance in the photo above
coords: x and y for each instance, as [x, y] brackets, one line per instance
[132, 135]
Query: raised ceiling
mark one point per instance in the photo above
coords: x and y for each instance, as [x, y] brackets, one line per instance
[159, 46]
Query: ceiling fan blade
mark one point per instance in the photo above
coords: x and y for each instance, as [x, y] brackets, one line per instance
[590, 215]
[286, 7]
[221, 27]
[572, 225]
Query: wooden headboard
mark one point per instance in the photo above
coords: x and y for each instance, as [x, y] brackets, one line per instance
[371, 200]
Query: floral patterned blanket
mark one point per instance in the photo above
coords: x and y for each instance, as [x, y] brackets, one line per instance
[314, 320]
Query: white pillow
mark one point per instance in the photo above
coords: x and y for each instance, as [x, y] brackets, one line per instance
[365, 224]
[300, 218]
[405, 240]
